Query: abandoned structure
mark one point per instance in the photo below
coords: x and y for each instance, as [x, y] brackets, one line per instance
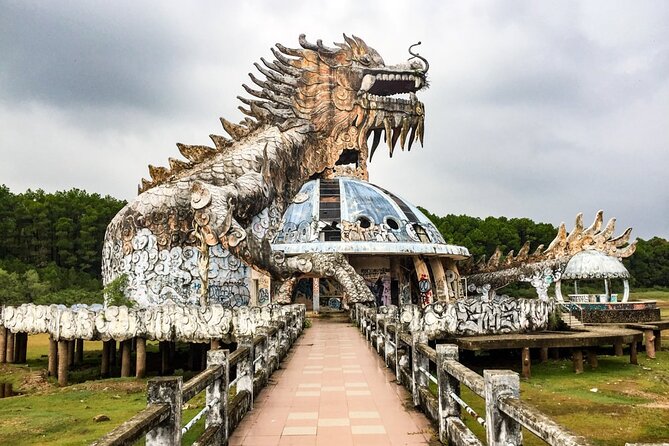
[395, 248]
[186, 235]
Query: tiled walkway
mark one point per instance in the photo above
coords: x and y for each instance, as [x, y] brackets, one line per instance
[332, 389]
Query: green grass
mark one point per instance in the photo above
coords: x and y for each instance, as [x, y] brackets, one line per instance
[48, 415]
[631, 403]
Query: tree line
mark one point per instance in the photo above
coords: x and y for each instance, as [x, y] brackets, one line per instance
[51, 244]
[648, 266]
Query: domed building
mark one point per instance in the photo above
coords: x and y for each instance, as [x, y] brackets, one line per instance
[390, 243]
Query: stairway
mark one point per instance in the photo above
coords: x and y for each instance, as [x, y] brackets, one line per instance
[571, 321]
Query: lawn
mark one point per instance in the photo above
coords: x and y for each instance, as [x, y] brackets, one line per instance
[614, 404]
[48, 415]
[630, 403]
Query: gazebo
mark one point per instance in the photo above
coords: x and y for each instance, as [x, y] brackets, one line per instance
[593, 265]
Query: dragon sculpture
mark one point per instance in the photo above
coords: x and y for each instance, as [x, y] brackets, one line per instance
[543, 267]
[181, 240]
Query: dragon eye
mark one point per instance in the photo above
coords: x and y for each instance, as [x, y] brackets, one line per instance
[366, 60]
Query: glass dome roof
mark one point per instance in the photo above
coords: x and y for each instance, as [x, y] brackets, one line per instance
[348, 215]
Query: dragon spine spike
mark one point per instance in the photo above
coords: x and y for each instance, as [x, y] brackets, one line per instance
[596, 224]
[145, 185]
[324, 91]
[195, 154]
[289, 51]
[493, 262]
[608, 231]
[158, 174]
[220, 142]
[237, 132]
[178, 165]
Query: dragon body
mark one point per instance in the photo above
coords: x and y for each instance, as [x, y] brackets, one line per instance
[197, 227]
[543, 267]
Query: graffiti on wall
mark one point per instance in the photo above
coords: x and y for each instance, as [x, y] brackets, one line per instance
[425, 290]
[478, 316]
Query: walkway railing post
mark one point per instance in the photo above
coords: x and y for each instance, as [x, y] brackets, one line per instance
[418, 378]
[447, 387]
[245, 367]
[378, 331]
[166, 390]
[501, 429]
[388, 348]
[217, 395]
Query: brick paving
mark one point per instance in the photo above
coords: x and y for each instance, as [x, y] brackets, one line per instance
[332, 389]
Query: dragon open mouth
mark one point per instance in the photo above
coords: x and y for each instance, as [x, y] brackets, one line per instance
[390, 96]
[386, 84]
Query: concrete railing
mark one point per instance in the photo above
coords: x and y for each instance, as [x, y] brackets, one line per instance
[68, 328]
[251, 364]
[435, 376]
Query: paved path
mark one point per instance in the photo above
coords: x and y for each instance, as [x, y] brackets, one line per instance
[332, 389]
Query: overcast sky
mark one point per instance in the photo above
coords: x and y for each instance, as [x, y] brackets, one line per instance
[536, 109]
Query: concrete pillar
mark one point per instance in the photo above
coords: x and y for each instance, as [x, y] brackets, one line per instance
[577, 359]
[164, 357]
[527, 363]
[79, 352]
[543, 352]
[649, 338]
[418, 378]
[167, 390]
[447, 387]
[618, 347]
[63, 362]
[501, 429]
[633, 354]
[53, 357]
[3, 344]
[316, 292]
[112, 353]
[592, 358]
[125, 358]
[218, 390]
[106, 358]
[20, 346]
[424, 281]
[140, 359]
[440, 289]
[70, 352]
[9, 358]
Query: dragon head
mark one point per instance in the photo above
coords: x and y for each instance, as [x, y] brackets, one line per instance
[344, 95]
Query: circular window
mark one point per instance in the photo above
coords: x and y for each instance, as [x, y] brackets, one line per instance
[392, 223]
[364, 222]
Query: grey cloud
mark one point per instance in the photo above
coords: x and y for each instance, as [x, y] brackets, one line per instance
[536, 109]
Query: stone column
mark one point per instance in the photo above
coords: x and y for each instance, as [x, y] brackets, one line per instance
[106, 357]
[3, 344]
[440, 288]
[527, 363]
[316, 292]
[125, 358]
[218, 391]
[9, 358]
[447, 386]
[167, 390]
[63, 362]
[53, 357]
[79, 353]
[501, 429]
[140, 360]
[424, 281]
